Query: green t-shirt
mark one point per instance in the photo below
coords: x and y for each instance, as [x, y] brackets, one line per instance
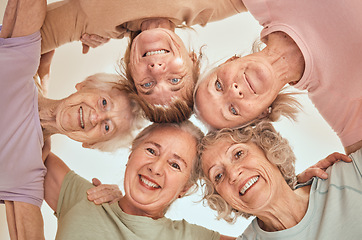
[79, 218]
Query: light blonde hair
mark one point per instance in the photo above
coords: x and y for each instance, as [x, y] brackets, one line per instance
[179, 109]
[107, 82]
[276, 149]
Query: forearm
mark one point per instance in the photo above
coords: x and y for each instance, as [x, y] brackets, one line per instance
[56, 171]
[23, 17]
[64, 23]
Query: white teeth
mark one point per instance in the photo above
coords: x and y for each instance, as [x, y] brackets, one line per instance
[155, 52]
[249, 184]
[81, 117]
[148, 183]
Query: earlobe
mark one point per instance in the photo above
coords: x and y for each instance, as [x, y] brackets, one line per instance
[265, 113]
[86, 145]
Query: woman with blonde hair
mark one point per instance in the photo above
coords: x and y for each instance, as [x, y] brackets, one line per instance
[250, 172]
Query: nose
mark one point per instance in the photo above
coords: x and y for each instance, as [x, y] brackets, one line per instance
[157, 67]
[156, 167]
[234, 174]
[97, 117]
[235, 88]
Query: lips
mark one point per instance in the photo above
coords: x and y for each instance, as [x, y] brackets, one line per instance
[248, 185]
[148, 183]
[250, 86]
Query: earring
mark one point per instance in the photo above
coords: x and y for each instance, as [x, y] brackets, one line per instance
[269, 110]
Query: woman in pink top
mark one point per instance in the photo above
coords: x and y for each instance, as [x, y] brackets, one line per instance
[311, 45]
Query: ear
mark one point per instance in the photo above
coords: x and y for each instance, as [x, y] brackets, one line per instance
[184, 191]
[88, 81]
[230, 59]
[265, 113]
[86, 145]
[193, 57]
[79, 86]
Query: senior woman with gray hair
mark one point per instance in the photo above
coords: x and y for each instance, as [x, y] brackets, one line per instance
[302, 50]
[250, 171]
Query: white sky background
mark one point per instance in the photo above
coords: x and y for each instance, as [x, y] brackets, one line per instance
[312, 139]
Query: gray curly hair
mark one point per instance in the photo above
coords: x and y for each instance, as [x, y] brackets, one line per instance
[275, 147]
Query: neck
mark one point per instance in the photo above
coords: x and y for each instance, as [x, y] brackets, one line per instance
[130, 209]
[286, 211]
[47, 109]
[285, 57]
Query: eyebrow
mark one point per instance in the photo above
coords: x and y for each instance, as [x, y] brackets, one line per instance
[208, 172]
[180, 158]
[174, 155]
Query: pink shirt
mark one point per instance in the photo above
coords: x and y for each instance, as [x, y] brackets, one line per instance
[329, 34]
[22, 170]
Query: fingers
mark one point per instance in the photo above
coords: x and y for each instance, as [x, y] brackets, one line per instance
[331, 159]
[340, 156]
[96, 182]
[310, 173]
[104, 193]
[93, 41]
[85, 48]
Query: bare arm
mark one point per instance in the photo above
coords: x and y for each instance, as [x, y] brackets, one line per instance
[57, 170]
[23, 17]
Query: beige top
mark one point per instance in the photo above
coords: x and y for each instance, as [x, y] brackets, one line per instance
[67, 20]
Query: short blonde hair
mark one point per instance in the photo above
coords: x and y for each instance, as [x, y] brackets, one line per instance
[107, 82]
[179, 109]
[185, 126]
[275, 147]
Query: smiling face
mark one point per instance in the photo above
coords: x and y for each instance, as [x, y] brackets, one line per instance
[161, 66]
[92, 115]
[237, 92]
[241, 174]
[158, 171]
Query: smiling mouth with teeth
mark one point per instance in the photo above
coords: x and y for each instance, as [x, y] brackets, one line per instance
[148, 183]
[150, 53]
[81, 117]
[250, 183]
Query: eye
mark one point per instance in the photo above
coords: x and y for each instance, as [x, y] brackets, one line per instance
[147, 84]
[175, 80]
[218, 178]
[104, 102]
[175, 165]
[233, 110]
[218, 85]
[238, 154]
[150, 150]
[106, 127]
